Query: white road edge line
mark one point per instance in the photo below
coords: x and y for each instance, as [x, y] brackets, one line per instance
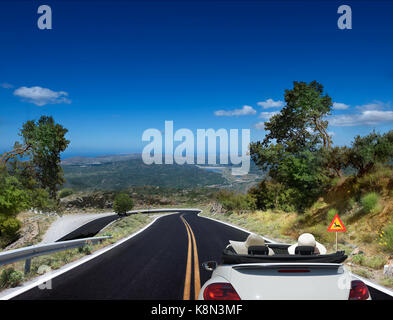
[13, 292]
[236, 227]
[366, 281]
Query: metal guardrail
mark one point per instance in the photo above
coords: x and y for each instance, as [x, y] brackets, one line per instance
[27, 253]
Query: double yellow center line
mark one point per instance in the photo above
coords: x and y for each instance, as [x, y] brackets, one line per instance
[197, 279]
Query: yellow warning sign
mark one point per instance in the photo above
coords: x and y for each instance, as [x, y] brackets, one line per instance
[337, 224]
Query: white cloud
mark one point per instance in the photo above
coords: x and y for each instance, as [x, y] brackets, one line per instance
[41, 96]
[365, 118]
[340, 106]
[260, 125]
[270, 103]
[245, 111]
[268, 115]
[375, 105]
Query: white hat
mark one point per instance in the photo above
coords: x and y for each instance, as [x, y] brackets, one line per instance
[252, 240]
[307, 239]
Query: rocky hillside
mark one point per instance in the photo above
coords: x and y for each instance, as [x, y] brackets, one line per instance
[143, 197]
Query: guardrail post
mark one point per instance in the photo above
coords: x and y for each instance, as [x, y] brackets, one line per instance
[27, 265]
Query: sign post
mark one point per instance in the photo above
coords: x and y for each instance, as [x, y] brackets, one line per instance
[336, 225]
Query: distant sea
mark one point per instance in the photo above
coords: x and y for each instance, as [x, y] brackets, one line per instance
[68, 155]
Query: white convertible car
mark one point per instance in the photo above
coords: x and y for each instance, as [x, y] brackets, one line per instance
[264, 271]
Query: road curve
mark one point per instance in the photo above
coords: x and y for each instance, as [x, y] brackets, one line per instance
[152, 265]
[161, 263]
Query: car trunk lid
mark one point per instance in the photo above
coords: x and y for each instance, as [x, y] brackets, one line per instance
[290, 281]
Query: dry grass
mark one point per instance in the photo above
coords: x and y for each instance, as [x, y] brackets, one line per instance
[363, 227]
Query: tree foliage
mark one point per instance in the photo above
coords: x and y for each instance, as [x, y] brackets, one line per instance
[298, 155]
[336, 159]
[238, 202]
[30, 173]
[273, 195]
[299, 177]
[47, 141]
[368, 151]
[292, 151]
[13, 197]
[122, 203]
[300, 124]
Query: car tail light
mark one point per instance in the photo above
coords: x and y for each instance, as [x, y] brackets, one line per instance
[220, 291]
[359, 291]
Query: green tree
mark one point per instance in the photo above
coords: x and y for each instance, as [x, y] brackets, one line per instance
[122, 203]
[337, 159]
[294, 147]
[24, 172]
[300, 124]
[46, 140]
[13, 199]
[368, 151]
[273, 195]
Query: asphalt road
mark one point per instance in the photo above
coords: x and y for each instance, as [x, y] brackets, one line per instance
[89, 229]
[163, 262]
[152, 265]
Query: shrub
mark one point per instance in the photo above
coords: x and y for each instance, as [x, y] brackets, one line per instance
[10, 278]
[16, 278]
[9, 229]
[358, 259]
[320, 234]
[374, 262]
[331, 214]
[65, 193]
[363, 273]
[5, 275]
[86, 249]
[366, 237]
[232, 201]
[272, 195]
[386, 238]
[13, 197]
[369, 202]
[369, 151]
[351, 203]
[122, 203]
[386, 281]
[41, 200]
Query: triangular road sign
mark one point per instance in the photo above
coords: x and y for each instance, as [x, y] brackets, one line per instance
[336, 225]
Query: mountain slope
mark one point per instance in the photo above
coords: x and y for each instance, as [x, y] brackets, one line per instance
[133, 172]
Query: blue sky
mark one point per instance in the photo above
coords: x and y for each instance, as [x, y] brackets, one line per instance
[109, 70]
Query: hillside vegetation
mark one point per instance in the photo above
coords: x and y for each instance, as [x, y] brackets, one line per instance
[308, 181]
[123, 174]
[365, 205]
[30, 174]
